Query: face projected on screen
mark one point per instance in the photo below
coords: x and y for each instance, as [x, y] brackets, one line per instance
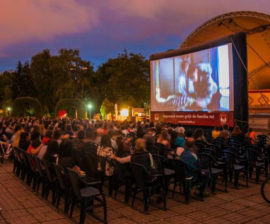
[198, 81]
[195, 86]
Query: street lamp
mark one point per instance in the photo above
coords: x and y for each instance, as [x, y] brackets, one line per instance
[8, 110]
[89, 106]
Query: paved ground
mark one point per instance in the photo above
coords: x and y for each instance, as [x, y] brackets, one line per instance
[21, 205]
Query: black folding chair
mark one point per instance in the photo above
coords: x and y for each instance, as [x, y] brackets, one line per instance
[148, 184]
[63, 188]
[85, 196]
[17, 162]
[181, 178]
[209, 166]
[234, 167]
[42, 175]
[121, 177]
[50, 182]
[254, 161]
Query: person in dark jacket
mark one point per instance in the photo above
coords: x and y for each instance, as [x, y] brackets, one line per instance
[53, 147]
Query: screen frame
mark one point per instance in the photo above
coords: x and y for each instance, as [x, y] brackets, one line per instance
[239, 58]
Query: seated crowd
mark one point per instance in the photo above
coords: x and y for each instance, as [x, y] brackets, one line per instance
[66, 142]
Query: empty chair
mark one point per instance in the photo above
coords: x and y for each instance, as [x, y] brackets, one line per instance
[63, 187]
[49, 181]
[42, 175]
[254, 161]
[234, 167]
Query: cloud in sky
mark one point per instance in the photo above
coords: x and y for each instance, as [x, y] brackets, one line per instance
[103, 28]
[32, 20]
[176, 16]
[42, 20]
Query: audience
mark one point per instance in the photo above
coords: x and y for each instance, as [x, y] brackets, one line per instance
[73, 142]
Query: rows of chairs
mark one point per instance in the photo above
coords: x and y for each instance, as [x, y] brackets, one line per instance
[225, 161]
[60, 182]
[234, 158]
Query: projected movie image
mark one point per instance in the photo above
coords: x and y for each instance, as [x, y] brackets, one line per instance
[199, 81]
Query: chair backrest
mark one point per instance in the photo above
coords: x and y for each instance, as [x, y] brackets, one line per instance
[262, 140]
[160, 162]
[205, 161]
[2, 150]
[31, 162]
[162, 150]
[39, 166]
[23, 157]
[59, 171]
[48, 170]
[74, 180]
[79, 158]
[230, 158]
[121, 171]
[140, 174]
[16, 154]
[92, 164]
[252, 152]
[200, 144]
[179, 168]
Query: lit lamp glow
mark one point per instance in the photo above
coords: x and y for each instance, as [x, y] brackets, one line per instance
[124, 112]
[89, 106]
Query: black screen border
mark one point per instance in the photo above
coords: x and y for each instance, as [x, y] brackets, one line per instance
[239, 48]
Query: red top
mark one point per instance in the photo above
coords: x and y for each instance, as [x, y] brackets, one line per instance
[45, 140]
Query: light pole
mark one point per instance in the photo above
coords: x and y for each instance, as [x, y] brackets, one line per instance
[8, 110]
[89, 106]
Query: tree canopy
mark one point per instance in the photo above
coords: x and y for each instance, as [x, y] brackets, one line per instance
[51, 78]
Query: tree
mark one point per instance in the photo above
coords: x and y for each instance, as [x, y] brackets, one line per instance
[61, 76]
[125, 80]
[43, 79]
[21, 82]
[5, 84]
[106, 108]
[52, 78]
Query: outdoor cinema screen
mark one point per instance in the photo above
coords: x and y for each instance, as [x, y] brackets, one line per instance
[197, 81]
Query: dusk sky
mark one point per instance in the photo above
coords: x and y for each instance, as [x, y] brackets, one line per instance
[101, 29]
